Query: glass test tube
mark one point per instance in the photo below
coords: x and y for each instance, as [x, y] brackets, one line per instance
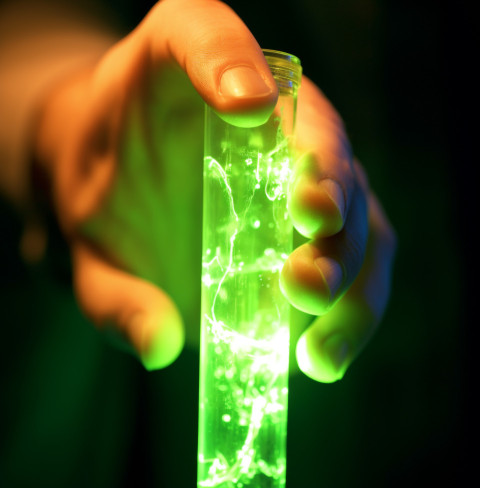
[247, 235]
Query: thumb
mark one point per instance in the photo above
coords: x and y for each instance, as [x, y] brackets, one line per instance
[219, 54]
[143, 316]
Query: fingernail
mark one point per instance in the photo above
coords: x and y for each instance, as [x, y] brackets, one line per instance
[332, 273]
[335, 192]
[242, 81]
[337, 350]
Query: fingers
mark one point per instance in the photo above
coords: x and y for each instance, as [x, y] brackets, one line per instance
[220, 55]
[339, 276]
[317, 273]
[327, 348]
[323, 185]
[141, 314]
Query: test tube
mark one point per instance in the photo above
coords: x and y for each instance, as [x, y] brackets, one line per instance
[247, 235]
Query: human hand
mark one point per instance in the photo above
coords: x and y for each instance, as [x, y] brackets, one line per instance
[121, 141]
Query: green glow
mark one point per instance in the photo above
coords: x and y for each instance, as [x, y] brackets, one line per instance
[247, 235]
[245, 333]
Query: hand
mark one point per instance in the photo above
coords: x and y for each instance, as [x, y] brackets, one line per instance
[123, 145]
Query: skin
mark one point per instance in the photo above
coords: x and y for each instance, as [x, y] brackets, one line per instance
[122, 145]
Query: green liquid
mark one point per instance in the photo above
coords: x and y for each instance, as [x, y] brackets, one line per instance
[245, 323]
[243, 408]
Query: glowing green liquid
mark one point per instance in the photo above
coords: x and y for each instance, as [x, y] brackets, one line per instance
[244, 407]
[245, 321]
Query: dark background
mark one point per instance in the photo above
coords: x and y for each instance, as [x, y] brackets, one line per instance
[76, 412]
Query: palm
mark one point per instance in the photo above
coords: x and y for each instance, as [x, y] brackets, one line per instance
[149, 223]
